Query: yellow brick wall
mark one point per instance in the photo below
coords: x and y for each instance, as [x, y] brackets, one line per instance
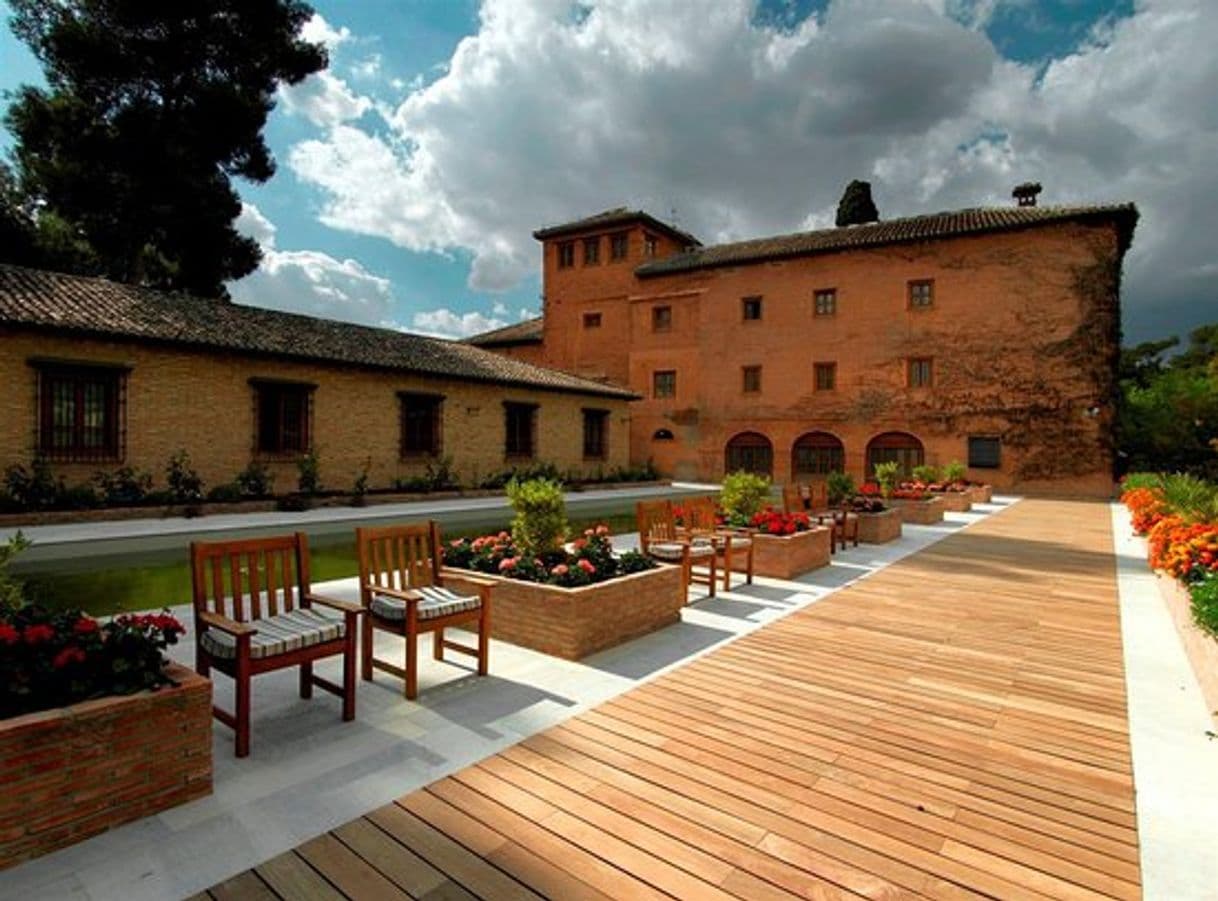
[202, 402]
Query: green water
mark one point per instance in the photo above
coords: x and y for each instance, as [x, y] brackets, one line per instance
[146, 581]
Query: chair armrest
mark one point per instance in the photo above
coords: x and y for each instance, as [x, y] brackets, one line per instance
[409, 595]
[334, 604]
[224, 624]
[466, 576]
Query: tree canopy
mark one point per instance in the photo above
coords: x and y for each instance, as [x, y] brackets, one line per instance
[856, 206]
[123, 165]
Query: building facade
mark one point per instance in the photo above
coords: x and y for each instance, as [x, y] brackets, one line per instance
[99, 376]
[987, 336]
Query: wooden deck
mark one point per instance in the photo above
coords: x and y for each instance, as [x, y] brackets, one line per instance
[951, 727]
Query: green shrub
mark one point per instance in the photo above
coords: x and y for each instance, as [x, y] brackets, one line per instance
[840, 487]
[308, 472]
[413, 484]
[926, 473]
[185, 486]
[540, 524]
[11, 595]
[255, 480]
[440, 475]
[886, 475]
[35, 488]
[294, 503]
[79, 497]
[1192, 498]
[227, 493]
[522, 474]
[1141, 480]
[359, 487]
[954, 471]
[1205, 604]
[744, 494]
[126, 486]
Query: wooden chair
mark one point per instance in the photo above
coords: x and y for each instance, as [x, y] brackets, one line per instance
[845, 527]
[730, 547]
[401, 581]
[793, 499]
[658, 538]
[254, 614]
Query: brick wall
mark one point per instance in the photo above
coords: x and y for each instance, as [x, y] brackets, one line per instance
[203, 402]
[574, 622]
[74, 772]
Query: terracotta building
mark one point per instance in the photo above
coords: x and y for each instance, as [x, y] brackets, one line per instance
[988, 336]
[98, 375]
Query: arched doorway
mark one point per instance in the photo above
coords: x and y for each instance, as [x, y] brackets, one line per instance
[901, 447]
[750, 451]
[816, 454]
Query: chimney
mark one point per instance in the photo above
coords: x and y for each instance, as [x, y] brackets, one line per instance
[1025, 194]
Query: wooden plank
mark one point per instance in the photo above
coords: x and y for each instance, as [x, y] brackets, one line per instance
[350, 873]
[290, 877]
[247, 886]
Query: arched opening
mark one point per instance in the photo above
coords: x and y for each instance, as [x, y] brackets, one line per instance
[750, 451]
[899, 447]
[662, 435]
[816, 454]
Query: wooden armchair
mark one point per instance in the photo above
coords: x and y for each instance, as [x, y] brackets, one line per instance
[730, 547]
[401, 580]
[658, 538]
[254, 613]
[793, 499]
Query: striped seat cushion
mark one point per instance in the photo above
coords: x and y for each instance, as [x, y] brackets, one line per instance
[739, 542]
[674, 550]
[436, 602]
[290, 631]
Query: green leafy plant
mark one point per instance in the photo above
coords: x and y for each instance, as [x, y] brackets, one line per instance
[926, 473]
[744, 494]
[540, 524]
[886, 475]
[359, 488]
[126, 486]
[1205, 604]
[185, 485]
[308, 472]
[839, 487]
[35, 488]
[11, 591]
[1190, 497]
[256, 480]
[226, 493]
[954, 471]
[440, 475]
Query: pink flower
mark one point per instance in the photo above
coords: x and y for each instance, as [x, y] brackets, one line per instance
[602, 529]
[561, 570]
[504, 536]
[586, 566]
[507, 563]
[456, 542]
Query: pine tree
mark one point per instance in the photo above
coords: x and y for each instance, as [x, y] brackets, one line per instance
[856, 206]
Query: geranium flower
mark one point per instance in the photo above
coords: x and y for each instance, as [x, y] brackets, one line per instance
[506, 564]
[38, 633]
[8, 634]
[586, 566]
[86, 625]
[561, 570]
[69, 655]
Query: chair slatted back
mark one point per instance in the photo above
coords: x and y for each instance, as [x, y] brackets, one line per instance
[250, 579]
[818, 495]
[398, 557]
[656, 522]
[700, 514]
[792, 498]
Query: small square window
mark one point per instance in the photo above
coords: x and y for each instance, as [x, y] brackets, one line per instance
[619, 246]
[80, 413]
[422, 422]
[921, 372]
[825, 302]
[661, 319]
[592, 320]
[566, 254]
[826, 376]
[984, 452]
[751, 378]
[650, 246]
[283, 419]
[592, 251]
[751, 308]
[664, 383]
[921, 294]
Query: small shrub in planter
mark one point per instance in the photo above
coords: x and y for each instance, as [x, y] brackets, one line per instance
[886, 476]
[839, 486]
[255, 480]
[590, 560]
[954, 472]
[308, 472]
[926, 473]
[540, 525]
[125, 487]
[743, 496]
[775, 522]
[185, 485]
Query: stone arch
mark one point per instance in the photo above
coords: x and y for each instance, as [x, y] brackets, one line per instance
[901, 447]
[750, 451]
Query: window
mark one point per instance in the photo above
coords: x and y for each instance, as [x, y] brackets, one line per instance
[984, 453]
[650, 246]
[80, 412]
[921, 372]
[895, 447]
[825, 302]
[596, 429]
[566, 254]
[921, 294]
[421, 423]
[751, 378]
[592, 251]
[619, 246]
[283, 417]
[664, 383]
[826, 376]
[661, 319]
[592, 320]
[817, 454]
[751, 308]
[749, 452]
[520, 424]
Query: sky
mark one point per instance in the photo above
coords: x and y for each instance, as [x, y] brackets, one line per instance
[414, 170]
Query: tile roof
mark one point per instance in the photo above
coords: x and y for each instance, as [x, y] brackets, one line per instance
[615, 217]
[951, 224]
[527, 332]
[95, 306]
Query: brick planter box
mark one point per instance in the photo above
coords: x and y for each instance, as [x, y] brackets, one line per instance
[981, 494]
[879, 528]
[1201, 647]
[574, 622]
[921, 513]
[787, 556]
[955, 501]
[73, 772]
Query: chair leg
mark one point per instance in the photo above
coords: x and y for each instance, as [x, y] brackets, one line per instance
[306, 680]
[749, 574]
[365, 650]
[727, 569]
[437, 644]
[202, 662]
[242, 686]
[349, 671]
[484, 639]
[712, 580]
[411, 689]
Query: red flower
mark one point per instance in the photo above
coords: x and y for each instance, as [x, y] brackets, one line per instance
[38, 633]
[85, 626]
[69, 655]
[8, 634]
[586, 566]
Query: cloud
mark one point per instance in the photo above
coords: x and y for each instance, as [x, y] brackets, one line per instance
[309, 281]
[747, 129]
[318, 31]
[444, 323]
[324, 99]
